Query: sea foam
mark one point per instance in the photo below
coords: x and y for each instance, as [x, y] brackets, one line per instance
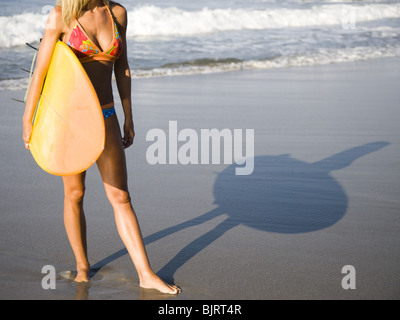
[153, 21]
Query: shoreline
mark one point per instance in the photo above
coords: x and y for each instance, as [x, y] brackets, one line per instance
[323, 193]
[239, 66]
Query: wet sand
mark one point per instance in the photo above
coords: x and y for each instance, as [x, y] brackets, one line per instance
[324, 192]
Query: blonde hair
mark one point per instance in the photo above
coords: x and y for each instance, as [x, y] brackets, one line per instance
[72, 9]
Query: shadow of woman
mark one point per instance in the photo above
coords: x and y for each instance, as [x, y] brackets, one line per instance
[282, 195]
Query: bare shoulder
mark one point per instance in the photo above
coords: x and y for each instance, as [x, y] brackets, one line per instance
[119, 13]
[55, 20]
[56, 14]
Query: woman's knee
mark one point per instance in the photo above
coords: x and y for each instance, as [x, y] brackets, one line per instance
[118, 196]
[75, 195]
[74, 187]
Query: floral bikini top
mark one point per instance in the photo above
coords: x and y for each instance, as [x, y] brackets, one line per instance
[87, 51]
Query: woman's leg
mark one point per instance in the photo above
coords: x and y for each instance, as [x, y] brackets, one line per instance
[75, 223]
[112, 167]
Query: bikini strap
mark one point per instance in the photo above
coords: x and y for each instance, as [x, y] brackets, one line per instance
[107, 4]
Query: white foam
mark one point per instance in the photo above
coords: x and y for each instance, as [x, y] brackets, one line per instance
[150, 20]
[18, 29]
[310, 59]
[14, 84]
[154, 21]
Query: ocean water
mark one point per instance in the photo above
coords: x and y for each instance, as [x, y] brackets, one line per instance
[180, 37]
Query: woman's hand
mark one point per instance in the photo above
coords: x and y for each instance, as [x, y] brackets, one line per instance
[129, 134]
[27, 132]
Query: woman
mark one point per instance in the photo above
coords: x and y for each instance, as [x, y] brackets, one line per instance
[96, 32]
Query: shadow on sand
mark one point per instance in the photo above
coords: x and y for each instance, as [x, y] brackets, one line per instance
[283, 195]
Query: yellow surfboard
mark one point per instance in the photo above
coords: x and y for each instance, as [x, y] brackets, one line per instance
[68, 128]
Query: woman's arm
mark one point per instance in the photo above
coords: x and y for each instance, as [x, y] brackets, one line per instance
[53, 30]
[123, 76]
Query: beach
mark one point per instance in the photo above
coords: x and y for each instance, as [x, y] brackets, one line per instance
[323, 195]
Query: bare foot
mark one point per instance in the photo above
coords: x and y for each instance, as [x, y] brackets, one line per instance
[82, 275]
[154, 282]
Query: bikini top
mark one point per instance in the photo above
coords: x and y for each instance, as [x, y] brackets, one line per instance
[87, 51]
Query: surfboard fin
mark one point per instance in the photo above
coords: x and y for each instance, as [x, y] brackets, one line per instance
[31, 46]
[18, 100]
[23, 69]
[29, 71]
